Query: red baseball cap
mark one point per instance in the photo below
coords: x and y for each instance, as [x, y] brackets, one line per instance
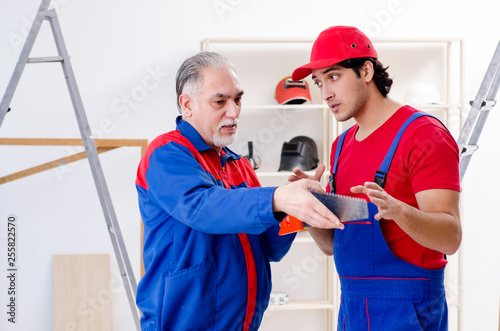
[334, 45]
[292, 92]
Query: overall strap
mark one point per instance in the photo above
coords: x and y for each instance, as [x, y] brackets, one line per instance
[381, 174]
[336, 161]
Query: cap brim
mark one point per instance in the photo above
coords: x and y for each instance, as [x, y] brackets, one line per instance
[297, 101]
[305, 70]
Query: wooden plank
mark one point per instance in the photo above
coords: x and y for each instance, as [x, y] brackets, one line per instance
[70, 142]
[50, 165]
[143, 151]
[82, 295]
[102, 145]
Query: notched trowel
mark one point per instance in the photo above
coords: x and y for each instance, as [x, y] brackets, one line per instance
[344, 207]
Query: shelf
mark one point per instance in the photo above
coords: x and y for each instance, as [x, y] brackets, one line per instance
[279, 173]
[268, 124]
[266, 107]
[325, 106]
[208, 41]
[419, 106]
[303, 237]
[303, 305]
[278, 178]
[442, 106]
[205, 43]
[286, 173]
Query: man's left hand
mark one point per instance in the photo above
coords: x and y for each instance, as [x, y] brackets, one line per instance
[388, 207]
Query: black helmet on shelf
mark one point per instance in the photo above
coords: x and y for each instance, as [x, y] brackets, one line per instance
[300, 152]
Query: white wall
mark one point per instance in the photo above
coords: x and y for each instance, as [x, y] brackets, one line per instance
[125, 55]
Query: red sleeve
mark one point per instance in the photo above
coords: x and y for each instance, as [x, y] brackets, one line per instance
[433, 158]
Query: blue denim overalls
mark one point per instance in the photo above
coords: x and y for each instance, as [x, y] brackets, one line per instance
[379, 290]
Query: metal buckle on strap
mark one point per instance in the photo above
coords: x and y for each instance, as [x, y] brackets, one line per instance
[380, 178]
[332, 183]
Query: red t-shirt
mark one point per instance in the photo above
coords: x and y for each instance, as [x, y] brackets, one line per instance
[427, 158]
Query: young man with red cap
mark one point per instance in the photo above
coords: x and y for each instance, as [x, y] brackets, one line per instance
[405, 163]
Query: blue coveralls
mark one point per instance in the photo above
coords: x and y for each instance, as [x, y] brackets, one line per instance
[379, 290]
[208, 238]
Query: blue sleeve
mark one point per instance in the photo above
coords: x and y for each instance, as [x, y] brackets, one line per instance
[180, 185]
[277, 246]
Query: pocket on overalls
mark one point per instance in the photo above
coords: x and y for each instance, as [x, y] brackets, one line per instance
[392, 315]
[353, 250]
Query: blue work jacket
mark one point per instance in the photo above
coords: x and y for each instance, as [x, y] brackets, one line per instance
[209, 235]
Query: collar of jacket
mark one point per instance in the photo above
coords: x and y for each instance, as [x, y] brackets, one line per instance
[195, 138]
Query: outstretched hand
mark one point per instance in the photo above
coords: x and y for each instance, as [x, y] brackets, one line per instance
[388, 207]
[296, 199]
[299, 174]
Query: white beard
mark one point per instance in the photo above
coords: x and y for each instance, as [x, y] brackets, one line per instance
[220, 141]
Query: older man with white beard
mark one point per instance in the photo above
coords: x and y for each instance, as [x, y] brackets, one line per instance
[210, 230]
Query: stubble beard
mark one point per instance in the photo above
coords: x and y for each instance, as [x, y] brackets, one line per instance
[361, 96]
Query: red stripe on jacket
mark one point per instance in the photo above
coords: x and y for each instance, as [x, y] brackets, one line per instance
[177, 137]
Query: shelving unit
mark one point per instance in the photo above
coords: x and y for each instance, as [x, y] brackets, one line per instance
[261, 64]
[303, 305]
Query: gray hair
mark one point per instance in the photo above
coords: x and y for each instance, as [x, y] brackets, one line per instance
[189, 78]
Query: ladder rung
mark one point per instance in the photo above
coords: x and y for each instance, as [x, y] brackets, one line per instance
[45, 59]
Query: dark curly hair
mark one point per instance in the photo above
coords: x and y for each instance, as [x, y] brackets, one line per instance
[380, 77]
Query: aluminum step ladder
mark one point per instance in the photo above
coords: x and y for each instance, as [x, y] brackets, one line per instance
[109, 214]
[480, 109]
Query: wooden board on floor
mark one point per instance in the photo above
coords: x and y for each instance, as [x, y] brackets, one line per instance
[82, 295]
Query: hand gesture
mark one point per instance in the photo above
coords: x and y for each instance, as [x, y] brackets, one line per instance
[299, 174]
[388, 207]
